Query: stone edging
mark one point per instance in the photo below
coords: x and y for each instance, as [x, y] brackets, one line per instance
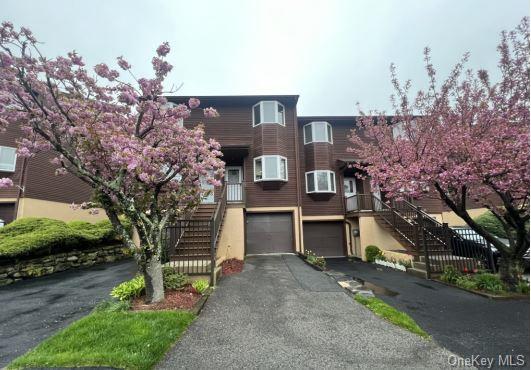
[198, 307]
[46, 265]
[485, 294]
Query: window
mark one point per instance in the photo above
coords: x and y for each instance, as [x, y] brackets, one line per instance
[270, 168]
[8, 158]
[268, 112]
[320, 182]
[318, 132]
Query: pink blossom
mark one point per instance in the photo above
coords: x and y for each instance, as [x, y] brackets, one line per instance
[61, 171]
[123, 64]
[5, 182]
[163, 49]
[193, 103]
[210, 112]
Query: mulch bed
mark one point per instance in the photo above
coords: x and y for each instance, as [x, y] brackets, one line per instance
[174, 299]
[232, 266]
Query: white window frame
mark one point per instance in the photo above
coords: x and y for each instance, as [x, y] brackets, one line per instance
[279, 159]
[332, 187]
[12, 167]
[261, 104]
[329, 140]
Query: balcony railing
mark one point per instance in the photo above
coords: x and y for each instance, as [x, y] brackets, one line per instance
[359, 202]
[235, 192]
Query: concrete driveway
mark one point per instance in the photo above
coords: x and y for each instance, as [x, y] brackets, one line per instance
[464, 323]
[280, 313]
[32, 310]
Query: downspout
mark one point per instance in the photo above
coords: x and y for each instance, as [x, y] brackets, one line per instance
[297, 166]
[21, 187]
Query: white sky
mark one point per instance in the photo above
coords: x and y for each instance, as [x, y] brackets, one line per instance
[332, 53]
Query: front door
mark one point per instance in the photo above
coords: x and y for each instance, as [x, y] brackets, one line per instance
[349, 186]
[234, 183]
[208, 196]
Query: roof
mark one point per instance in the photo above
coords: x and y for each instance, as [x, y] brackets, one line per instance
[219, 100]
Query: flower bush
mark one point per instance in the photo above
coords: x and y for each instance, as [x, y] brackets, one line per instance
[314, 259]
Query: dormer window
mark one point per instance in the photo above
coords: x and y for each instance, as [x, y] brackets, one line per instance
[269, 111]
[320, 182]
[270, 168]
[318, 132]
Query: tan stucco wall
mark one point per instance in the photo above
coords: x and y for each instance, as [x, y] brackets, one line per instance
[232, 239]
[29, 207]
[373, 234]
[454, 220]
[297, 222]
[324, 218]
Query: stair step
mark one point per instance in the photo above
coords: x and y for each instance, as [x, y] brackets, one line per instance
[419, 265]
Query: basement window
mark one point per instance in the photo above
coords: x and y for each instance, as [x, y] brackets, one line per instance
[268, 111]
[270, 168]
[318, 132]
[320, 182]
[8, 159]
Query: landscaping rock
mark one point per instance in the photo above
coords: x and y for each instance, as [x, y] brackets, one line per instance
[366, 293]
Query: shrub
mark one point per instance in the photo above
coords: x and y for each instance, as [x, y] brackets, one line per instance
[172, 279]
[466, 282]
[373, 253]
[314, 259]
[491, 224]
[489, 282]
[129, 289]
[522, 287]
[450, 274]
[33, 237]
[200, 285]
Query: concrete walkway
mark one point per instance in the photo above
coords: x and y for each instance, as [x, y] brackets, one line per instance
[32, 310]
[464, 323]
[280, 313]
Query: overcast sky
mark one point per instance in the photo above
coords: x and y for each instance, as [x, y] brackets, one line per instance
[331, 53]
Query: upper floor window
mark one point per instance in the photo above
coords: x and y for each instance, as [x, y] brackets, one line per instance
[318, 132]
[270, 168]
[269, 111]
[8, 158]
[321, 182]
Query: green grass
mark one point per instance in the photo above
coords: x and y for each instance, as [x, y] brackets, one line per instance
[391, 314]
[127, 340]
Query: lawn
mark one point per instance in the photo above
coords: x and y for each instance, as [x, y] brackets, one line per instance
[391, 314]
[130, 340]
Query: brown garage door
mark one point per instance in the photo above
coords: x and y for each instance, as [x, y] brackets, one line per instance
[269, 233]
[324, 238]
[7, 211]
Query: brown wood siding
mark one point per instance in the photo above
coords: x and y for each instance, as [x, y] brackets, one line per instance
[40, 181]
[234, 128]
[318, 156]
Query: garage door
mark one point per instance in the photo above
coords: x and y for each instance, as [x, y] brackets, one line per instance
[269, 233]
[324, 238]
[7, 211]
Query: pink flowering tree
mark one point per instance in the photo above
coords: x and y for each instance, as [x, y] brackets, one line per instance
[123, 139]
[466, 139]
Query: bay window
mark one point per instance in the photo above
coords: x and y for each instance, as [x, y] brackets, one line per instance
[318, 132]
[270, 168]
[268, 111]
[323, 181]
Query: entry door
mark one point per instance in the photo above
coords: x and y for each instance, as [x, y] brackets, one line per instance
[234, 183]
[209, 196]
[350, 186]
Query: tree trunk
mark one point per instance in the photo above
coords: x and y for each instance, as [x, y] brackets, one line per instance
[152, 271]
[510, 271]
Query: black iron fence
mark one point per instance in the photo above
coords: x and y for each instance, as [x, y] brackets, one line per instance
[436, 243]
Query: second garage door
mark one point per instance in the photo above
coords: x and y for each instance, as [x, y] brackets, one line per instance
[324, 238]
[269, 233]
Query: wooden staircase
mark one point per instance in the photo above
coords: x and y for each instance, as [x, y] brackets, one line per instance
[191, 243]
[433, 245]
